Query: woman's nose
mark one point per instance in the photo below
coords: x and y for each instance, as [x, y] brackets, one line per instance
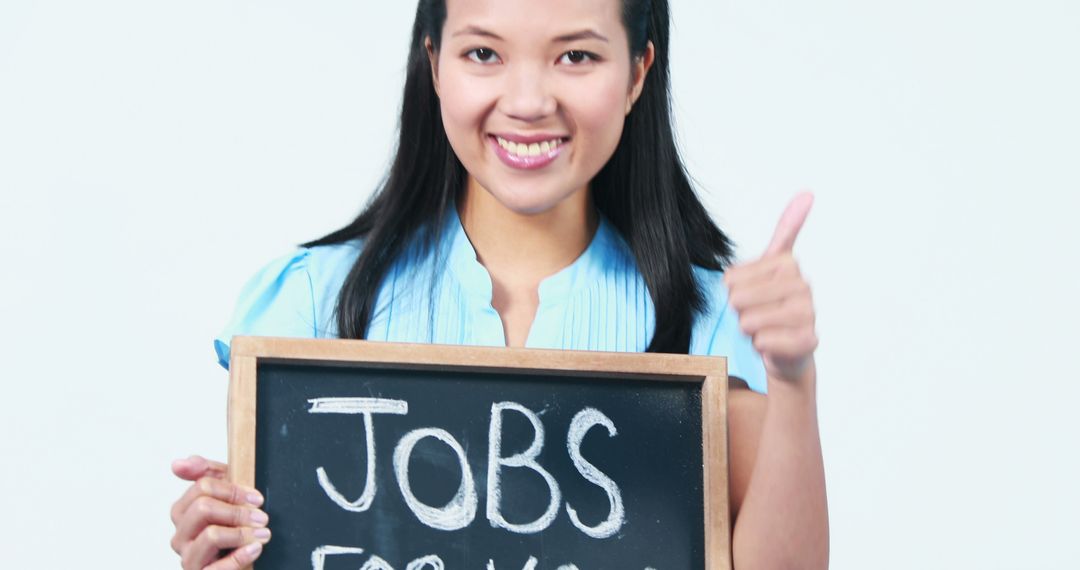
[526, 95]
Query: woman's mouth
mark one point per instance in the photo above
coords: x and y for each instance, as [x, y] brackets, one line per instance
[527, 153]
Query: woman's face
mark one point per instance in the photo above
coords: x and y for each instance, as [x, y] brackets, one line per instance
[534, 94]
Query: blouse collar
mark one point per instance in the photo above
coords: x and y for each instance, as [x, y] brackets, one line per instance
[582, 272]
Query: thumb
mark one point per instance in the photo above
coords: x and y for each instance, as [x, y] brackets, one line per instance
[787, 229]
[196, 467]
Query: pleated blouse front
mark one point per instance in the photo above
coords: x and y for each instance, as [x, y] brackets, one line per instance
[598, 302]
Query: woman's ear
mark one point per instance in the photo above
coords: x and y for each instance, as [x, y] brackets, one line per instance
[433, 60]
[640, 69]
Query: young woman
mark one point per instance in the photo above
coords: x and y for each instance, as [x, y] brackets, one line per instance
[537, 199]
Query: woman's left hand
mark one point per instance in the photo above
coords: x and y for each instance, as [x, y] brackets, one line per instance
[774, 302]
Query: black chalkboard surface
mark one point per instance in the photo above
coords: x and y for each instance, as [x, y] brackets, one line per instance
[388, 456]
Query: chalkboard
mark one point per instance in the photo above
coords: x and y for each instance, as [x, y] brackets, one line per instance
[483, 458]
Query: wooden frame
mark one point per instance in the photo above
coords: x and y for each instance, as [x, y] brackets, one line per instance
[711, 372]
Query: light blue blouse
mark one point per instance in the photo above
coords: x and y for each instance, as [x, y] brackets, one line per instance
[599, 302]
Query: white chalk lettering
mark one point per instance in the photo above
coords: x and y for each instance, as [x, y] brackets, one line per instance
[318, 556]
[429, 562]
[368, 407]
[461, 510]
[376, 563]
[432, 561]
[526, 458]
[529, 565]
[579, 426]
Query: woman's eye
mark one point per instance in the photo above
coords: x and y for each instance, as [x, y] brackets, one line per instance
[482, 55]
[576, 57]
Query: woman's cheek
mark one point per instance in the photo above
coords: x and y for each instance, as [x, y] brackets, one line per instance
[463, 105]
[599, 110]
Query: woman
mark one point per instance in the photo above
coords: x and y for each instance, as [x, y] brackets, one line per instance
[537, 199]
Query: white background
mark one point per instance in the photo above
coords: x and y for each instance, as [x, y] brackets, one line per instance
[154, 154]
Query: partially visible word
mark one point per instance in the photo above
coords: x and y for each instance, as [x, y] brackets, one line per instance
[429, 562]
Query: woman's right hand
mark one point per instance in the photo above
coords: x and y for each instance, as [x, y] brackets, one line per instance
[218, 524]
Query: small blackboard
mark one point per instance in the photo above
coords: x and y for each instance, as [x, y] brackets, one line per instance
[378, 456]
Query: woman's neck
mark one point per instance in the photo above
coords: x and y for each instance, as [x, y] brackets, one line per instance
[520, 250]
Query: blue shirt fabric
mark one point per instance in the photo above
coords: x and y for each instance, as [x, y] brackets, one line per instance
[598, 302]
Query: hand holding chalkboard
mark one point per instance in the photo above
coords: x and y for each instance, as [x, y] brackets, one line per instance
[215, 515]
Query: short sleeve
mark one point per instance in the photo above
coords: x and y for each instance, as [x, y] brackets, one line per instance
[717, 333]
[276, 301]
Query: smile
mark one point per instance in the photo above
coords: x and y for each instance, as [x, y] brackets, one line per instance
[527, 153]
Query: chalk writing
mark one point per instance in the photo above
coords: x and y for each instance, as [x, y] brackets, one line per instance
[368, 407]
[525, 459]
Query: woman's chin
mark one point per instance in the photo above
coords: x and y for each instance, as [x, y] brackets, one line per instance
[530, 201]
[527, 205]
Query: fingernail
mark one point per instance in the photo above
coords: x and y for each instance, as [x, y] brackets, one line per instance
[259, 517]
[255, 498]
[253, 549]
[262, 534]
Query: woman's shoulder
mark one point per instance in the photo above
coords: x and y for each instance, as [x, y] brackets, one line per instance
[711, 282]
[715, 296]
[291, 296]
[328, 265]
[315, 273]
[717, 332]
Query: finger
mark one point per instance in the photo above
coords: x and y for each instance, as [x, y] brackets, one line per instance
[196, 467]
[217, 489]
[790, 223]
[757, 270]
[786, 344]
[777, 316]
[207, 547]
[205, 511]
[771, 293]
[240, 558]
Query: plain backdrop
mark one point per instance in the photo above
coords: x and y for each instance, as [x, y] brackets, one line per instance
[154, 154]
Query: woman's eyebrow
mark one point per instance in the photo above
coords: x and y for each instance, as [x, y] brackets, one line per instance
[581, 35]
[476, 31]
[571, 37]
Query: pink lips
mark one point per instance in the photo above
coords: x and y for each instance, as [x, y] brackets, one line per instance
[525, 162]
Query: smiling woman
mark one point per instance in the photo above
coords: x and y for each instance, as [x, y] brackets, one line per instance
[512, 85]
[537, 199]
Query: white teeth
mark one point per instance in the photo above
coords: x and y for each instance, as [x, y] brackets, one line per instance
[534, 149]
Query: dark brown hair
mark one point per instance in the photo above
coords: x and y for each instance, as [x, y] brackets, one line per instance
[643, 190]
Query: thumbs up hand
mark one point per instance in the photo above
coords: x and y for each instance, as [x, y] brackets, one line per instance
[774, 301]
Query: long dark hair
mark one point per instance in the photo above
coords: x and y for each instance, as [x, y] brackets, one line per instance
[643, 190]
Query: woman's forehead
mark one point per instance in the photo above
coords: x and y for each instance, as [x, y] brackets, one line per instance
[554, 17]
